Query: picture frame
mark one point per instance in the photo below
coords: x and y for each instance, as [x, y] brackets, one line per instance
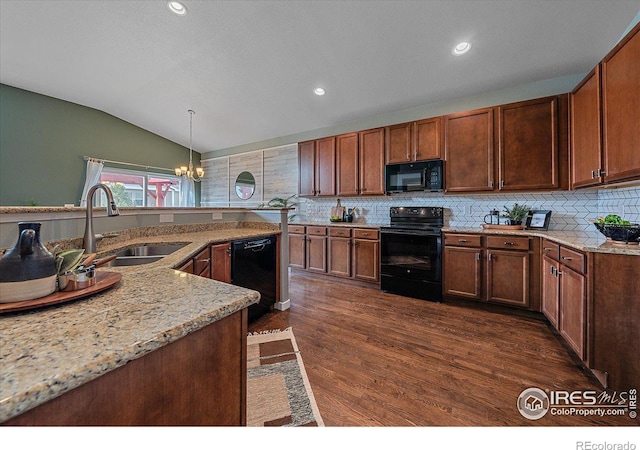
[538, 219]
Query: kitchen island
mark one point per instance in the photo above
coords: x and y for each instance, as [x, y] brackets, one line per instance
[160, 347]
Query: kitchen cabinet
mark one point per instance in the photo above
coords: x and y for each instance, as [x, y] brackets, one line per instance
[317, 167]
[620, 111]
[199, 379]
[316, 249]
[202, 263]
[187, 266]
[413, 141]
[371, 161]
[347, 164]
[605, 136]
[366, 254]
[564, 301]
[221, 262]
[462, 273]
[468, 151]
[297, 246]
[615, 330]
[345, 252]
[494, 269]
[586, 132]
[528, 150]
[508, 271]
[528, 144]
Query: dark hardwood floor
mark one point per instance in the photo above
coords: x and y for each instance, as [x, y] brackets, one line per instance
[377, 359]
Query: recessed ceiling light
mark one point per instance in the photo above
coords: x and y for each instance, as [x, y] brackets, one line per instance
[177, 8]
[319, 91]
[461, 48]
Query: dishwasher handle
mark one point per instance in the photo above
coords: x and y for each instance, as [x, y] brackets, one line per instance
[257, 246]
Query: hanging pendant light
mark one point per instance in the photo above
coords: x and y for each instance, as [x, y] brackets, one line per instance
[198, 174]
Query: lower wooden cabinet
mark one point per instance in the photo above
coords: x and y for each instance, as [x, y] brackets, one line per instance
[351, 253]
[496, 269]
[213, 262]
[564, 294]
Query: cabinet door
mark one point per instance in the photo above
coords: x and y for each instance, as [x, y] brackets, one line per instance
[508, 277]
[297, 250]
[326, 166]
[306, 168]
[468, 151]
[528, 145]
[462, 272]
[372, 162]
[550, 290]
[187, 267]
[621, 109]
[317, 254]
[586, 147]
[427, 139]
[202, 263]
[366, 262]
[339, 256]
[347, 164]
[573, 309]
[398, 143]
[221, 262]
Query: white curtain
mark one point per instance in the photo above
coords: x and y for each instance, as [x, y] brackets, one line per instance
[187, 191]
[92, 177]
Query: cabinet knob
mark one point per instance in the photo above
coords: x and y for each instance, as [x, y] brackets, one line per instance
[509, 243]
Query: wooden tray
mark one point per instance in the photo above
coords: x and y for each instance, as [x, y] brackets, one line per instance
[503, 227]
[104, 280]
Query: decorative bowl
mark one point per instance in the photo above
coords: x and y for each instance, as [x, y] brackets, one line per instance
[620, 233]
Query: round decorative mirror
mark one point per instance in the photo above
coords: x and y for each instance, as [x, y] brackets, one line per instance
[245, 185]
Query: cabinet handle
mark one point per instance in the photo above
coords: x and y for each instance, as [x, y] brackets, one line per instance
[551, 270]
[203, 260]
[600, 172]
[566, 258]
[462, 240]
[546, 249]
[489, 256]
[478, 256]
[415, 155]
[365, 234]
[501, 183]
[490, 184]
[593, 174]
[558, 273]
[318, 192]
[509, 243]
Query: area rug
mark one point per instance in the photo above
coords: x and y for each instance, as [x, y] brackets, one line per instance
[278, 390]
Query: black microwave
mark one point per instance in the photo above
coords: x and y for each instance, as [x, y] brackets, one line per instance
[417, 176]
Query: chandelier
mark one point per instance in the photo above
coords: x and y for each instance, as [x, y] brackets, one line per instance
[198, 174]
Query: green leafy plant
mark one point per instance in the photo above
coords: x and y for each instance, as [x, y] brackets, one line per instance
[517, 213]
[278, 202]
[612, 219]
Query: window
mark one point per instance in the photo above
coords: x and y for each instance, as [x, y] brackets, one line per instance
[132, 188]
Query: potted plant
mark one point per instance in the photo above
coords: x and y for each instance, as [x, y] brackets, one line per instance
[516, 214]
[279, 202]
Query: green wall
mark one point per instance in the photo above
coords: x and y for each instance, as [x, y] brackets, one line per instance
[43, 141]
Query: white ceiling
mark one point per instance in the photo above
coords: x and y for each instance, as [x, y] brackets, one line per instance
[248, 68]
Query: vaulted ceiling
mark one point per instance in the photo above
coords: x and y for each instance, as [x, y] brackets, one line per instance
[248, 68]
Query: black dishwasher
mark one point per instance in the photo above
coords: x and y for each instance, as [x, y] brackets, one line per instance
[253, 266]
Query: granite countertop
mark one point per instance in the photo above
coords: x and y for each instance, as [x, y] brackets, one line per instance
[587, 241]
[48, 351]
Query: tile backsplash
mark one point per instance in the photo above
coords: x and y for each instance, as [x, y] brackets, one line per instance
[571, 210]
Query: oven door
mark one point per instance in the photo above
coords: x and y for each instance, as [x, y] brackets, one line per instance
[411, 263]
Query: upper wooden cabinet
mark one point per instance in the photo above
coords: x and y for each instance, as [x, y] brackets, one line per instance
[371, 164]
[528, 145]
[347, 169]
[317, 167]
[413, 141]
[586, 132]
[527, 149]
[621, 109]
[605, 136]
[468, 151]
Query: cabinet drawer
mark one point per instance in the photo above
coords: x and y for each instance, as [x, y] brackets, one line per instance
[365, 233]
[508, 242]
[551, 249]
[463, 240]
[296, 229]
[573, 259]
[317, 231]
[340, 232]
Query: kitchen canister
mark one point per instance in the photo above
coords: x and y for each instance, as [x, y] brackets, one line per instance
[28, 270]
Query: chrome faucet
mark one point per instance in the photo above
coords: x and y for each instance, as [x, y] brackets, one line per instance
[89, 241]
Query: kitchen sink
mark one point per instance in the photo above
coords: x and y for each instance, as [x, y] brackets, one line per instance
[143, 254]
